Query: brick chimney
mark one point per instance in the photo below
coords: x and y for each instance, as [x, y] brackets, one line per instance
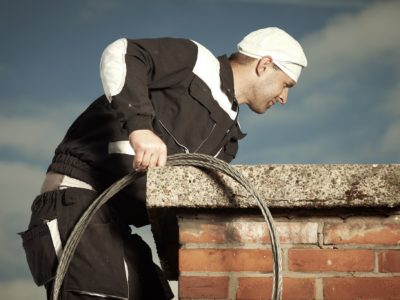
[339, 228]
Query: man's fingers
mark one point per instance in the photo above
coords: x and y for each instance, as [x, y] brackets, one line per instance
[153, 160]
[146, 160]
[154, 157]
[162, 159]
[138, 159]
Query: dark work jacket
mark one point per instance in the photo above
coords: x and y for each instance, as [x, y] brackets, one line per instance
[174, 87]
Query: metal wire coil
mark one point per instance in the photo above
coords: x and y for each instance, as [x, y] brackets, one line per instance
[196, 160]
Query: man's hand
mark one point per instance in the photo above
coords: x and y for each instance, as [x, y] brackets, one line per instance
[150, 150]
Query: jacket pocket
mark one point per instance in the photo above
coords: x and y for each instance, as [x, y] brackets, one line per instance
[185, 117]
[40, 253]
[230, 149]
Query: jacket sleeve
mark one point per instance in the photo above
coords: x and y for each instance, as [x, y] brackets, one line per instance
[129, 68]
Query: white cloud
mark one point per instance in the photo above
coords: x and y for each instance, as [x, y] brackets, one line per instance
[338, 54]
[353, 39]
[19, 183]
[29, 135]
[21, 289]
[36, 132]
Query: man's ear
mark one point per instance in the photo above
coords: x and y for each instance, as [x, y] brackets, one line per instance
[263, 64]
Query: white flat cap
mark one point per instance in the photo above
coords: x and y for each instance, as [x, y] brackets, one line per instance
[284, 50]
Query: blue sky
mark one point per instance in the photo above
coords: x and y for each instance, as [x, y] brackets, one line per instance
[345, 109]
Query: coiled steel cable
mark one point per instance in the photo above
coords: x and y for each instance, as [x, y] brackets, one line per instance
[196, 160]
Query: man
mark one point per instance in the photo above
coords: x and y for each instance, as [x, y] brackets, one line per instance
[162, 96]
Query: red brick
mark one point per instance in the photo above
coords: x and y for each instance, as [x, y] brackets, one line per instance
[225, 260]
[375, 288]
[323, 260]
[261, 288]
[203, 287]
[288, 232]
[389, 261]
[194, 232]
[355, 233]
[248, 232]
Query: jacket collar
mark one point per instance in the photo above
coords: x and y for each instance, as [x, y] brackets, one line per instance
[227, 84]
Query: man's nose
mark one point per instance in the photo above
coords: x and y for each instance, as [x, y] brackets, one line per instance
[283, 97]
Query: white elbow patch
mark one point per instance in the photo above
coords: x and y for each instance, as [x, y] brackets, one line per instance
[113, 68]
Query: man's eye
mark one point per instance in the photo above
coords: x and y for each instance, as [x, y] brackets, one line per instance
[288, 85]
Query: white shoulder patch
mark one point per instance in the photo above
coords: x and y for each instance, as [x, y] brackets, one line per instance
[207, 68]
[113, 68]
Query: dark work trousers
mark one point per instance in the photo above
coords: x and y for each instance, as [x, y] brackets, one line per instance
[109, 262]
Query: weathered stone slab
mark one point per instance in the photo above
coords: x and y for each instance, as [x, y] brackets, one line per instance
[280, 186]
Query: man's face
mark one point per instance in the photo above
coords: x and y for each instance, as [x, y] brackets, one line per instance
[272, 87]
